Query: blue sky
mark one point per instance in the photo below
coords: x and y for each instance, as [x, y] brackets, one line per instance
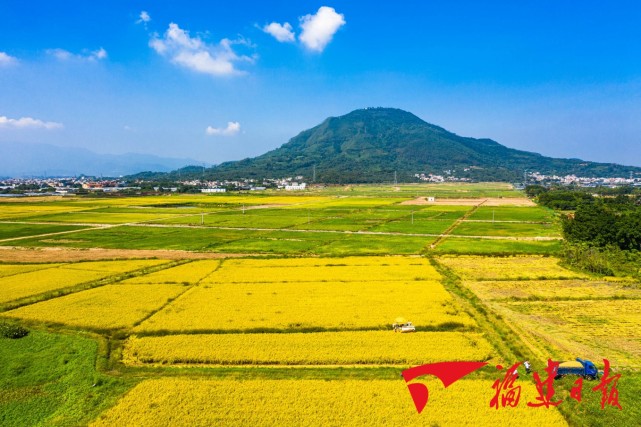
[214, 81]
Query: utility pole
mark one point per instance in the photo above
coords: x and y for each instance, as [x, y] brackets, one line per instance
[314, 174]
[395, 180]
[525, 178]
[412, 217]
[243, 209]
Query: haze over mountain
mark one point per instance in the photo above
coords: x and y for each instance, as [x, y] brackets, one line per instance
[27, 160]
[370, 145]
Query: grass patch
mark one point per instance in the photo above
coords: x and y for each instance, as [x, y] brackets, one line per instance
[511, 229]
[461, 245]
[49, 379]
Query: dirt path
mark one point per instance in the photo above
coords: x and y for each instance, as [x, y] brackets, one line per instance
[456, 224]
[57, 254]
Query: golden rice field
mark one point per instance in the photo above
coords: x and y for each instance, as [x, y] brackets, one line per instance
[596, 329]
[11, 269]
[507, 268]
[189, 402]
[41, 281]
[552, 289]
[59, 276]
[340, 271]
[190, 273]
[322, 348]
[327, 305]
[106, 307]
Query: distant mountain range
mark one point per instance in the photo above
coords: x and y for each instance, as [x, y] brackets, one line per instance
[28, 160]
[372, 144]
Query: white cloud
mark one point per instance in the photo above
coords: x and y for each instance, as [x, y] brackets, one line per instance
[28, 123]
[99, 54]
[283, 33]
[195, 54]
[6, 60]
[319, 29]
[232, 129]
[86, 55]
[144, 17]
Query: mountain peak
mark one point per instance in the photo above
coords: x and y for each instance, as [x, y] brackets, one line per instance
[376, 144]
[381, 113]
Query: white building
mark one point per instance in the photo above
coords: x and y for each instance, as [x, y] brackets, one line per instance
[295, 186]
[213, 190]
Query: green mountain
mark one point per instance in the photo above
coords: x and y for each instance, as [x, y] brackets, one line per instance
[372, 144]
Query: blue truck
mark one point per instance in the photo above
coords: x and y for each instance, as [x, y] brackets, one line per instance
[581, 367]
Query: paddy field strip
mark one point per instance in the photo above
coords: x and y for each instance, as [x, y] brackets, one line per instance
[31, 280]
[307, 349]
[104, 308]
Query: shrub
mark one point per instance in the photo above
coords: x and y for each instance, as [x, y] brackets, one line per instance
[9, 330]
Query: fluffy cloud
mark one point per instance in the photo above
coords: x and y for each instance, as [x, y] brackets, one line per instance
[65, 55]
[195, 54]
[144, 17]
[319, 29]
[282, 33]
[7, 59]
[232, 129]
[27, 123]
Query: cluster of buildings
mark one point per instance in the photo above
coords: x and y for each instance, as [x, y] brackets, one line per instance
[80, 185]
[439, 178]
[287, 184]
[537, 178]
[60, 186]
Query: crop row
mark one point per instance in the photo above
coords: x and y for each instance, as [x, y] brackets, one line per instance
[323, 348]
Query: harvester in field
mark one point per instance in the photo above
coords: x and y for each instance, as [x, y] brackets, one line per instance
[402, 325]
[580, 367]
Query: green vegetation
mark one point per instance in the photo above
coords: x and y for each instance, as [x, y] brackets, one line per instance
[513, 213]
[497, 247]
[603, 224]
[506, 229]
[589, 412]
[603, 234]
[51, 380]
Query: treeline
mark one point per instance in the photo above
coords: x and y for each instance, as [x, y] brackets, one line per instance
[603, 233]
[569, 198]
